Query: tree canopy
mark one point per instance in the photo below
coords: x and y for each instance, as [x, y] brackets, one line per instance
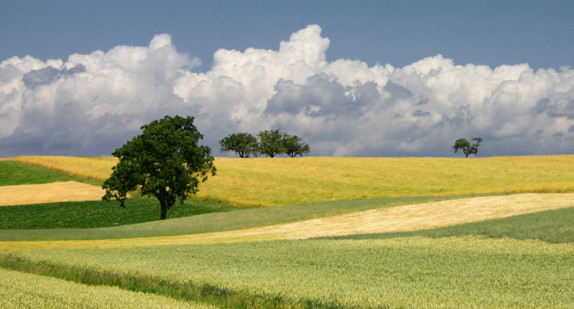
[271, 143]
[243, 144]
[164, 162]
[294, 146]
[467, 148]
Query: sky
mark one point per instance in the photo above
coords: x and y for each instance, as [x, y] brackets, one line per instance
[351, 78]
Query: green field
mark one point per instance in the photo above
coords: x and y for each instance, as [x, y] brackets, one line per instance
[518, 261]
[15, 173]
[462, 272]
[95, 214]
[22, 290]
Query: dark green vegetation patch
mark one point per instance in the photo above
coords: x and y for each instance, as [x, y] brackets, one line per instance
[554, 226]
[93, 214]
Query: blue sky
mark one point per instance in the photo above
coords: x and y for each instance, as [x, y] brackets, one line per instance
[395, 32]
[503, 59]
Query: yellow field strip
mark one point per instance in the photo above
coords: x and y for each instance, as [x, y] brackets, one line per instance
[283, 181]
[403, 218]
[48, 193]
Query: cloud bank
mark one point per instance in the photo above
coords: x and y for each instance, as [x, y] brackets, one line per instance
[92, 104]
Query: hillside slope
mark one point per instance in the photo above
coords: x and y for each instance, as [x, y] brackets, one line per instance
[281, 181]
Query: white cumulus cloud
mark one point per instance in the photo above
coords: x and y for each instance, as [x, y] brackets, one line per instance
[91, 104]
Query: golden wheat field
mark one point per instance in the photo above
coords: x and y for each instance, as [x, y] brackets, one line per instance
[279, 181]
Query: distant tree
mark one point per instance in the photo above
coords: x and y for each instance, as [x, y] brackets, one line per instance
[271, 143]
[164, 162]
[294, 146]
[243, 144]
[467, 148]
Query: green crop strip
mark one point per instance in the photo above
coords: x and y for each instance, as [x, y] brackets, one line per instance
[15, 173]
[413, 272]
[19, 290]
[95, 214]
[204, 293]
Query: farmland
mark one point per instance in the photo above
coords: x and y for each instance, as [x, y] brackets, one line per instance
[282, 181]
[22, 290]
[341, 233]
[451, 272]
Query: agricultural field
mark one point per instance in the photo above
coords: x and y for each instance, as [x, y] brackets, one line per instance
[300, 233]
[24, 290]
[283, 181]
[401, 272]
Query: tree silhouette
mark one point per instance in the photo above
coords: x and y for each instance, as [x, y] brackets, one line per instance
[294, 146]
[271, 143]
[164, 162]
[467, 148]
[243, 144]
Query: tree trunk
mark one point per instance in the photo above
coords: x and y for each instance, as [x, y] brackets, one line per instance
[162, 198]
[163, 205]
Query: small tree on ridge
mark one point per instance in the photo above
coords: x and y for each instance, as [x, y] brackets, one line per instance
[271, 143]
[243, 144]
[464, 145]
[294, 146]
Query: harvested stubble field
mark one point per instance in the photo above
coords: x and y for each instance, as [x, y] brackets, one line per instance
[501, 251]
[49, 193]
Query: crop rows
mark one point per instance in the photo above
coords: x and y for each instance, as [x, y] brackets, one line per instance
[23, 290]
[460, 272]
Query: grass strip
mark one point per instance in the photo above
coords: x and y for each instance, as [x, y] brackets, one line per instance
[553, 226]
[16, 173]
[188, 291]
[94, 169]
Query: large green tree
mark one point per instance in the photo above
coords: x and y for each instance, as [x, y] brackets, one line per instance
[466, 147]
[271, 143]
[294, 146]
[164, 162]
[243, 144]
